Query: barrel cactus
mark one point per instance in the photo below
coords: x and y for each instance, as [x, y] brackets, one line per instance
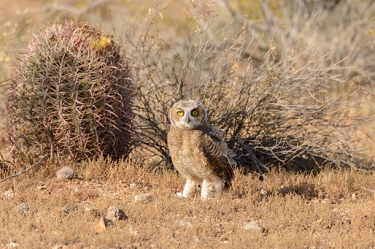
[71, 95]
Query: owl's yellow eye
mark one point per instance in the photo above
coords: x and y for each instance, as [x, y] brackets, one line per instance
[180, 113]
[194, 113]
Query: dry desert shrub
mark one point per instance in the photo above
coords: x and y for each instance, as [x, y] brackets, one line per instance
[342, 30]
[279, 109]
[70, 95]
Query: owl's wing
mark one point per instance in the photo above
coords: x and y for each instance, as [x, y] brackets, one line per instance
[219, 134]
[213, 131]
[219, 157]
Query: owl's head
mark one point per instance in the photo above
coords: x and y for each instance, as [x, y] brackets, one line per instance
[188, 114]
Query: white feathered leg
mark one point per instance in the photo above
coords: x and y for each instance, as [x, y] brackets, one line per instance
[189, 188]
[211, 186]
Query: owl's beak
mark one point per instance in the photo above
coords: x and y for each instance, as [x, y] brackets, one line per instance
[188, 119]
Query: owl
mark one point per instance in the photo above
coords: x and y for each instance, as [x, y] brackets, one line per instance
[198, 150]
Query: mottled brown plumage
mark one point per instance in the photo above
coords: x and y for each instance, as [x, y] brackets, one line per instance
[198, 150]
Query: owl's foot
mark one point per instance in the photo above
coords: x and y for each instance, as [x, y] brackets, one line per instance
[189, 188]
[211, 187]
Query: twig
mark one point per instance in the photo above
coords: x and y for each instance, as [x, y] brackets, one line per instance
[23, 171]
[67, 8]
[369, 190]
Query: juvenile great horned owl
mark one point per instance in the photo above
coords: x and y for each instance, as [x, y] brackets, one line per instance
[198, 150]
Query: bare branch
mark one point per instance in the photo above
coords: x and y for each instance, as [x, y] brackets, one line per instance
[25, 170]
[67, 8]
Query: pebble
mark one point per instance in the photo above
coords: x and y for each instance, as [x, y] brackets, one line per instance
[65, 172]
[57, 246]
[114, 213]
[64, 209]
[252, 226]
[183, 223]
[143, 197]
[41, 187]
[24, 207]
[11, 245]
[66, 245]
[102, 224]
[9, 193]
[196, 239]
[91, 209]
[96, 181]
[132, 231]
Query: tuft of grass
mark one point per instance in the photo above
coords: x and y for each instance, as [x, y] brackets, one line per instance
[331, 209]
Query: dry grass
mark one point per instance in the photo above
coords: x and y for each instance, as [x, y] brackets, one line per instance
[332, 209]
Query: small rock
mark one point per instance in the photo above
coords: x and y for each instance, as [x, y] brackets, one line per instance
[132, 185]
[183, 223]
[143, 197]
[284, 190]
[102, 224]
[340, 221]
[114, 213]
[132, 231]
[65, 172]
[64, 210]
[11, 245]
[9, 193]
[77, 246]
[23, 207]
[75, 189]
[252, 226]
[326, 201]
[195, 238]
[57, 246]
[91, 209]
[96, 181]
[263, 192]
[41, 187]
[225, 241]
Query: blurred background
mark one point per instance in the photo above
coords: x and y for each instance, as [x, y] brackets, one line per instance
[342, 30]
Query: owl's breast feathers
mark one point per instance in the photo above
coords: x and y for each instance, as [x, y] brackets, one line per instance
[206, 148]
